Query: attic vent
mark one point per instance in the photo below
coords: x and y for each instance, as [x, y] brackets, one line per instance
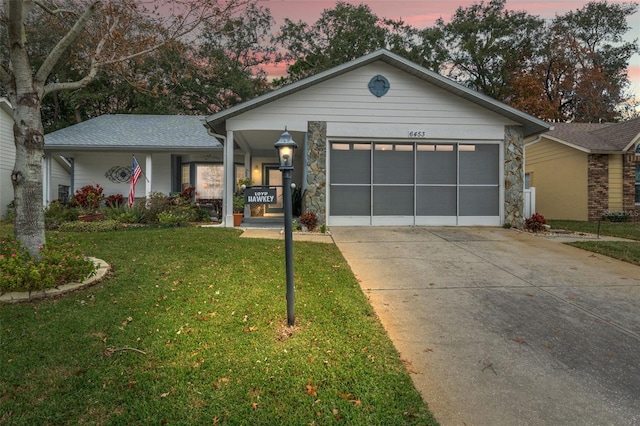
[379, 85]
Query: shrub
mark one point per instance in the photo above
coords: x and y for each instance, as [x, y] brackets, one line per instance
[535, 223]
[188, 193]
[57, 213]
[309, 220]
[115, 200]
[88, 198]
[61, 262]
[96, 226]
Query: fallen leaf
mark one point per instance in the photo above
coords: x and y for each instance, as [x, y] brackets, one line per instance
[311, 390]
[519, 340]
[254, 405]
[164, 395]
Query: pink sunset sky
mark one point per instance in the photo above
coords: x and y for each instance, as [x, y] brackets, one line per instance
[423, 13]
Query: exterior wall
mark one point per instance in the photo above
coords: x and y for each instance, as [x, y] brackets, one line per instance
[559, 174]
[7, 157]
[90, 168]
[350, 110]
[513, 176]
[315, 198]
[615, 183]
[59, 176]
[598, 186]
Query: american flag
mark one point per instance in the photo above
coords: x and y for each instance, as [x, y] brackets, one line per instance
[136, 171]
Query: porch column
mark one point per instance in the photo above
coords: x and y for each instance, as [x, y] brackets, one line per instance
[46, 181]
[229, 184]
[148, 172]
[513, 176]
[247, 175]
[315, 196]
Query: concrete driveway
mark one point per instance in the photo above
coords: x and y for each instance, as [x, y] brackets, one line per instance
[499, 327]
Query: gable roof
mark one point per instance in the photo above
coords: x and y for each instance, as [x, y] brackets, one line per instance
[597, 137]
[133, 131]
[531, 125]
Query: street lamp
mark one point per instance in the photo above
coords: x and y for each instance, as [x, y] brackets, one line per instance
[286, 148]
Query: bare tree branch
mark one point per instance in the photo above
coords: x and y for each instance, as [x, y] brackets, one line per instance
[52, 11]
[57, 52]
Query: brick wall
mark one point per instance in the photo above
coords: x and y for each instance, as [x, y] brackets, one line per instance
[598, 186]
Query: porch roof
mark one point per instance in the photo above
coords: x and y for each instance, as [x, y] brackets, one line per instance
[134, 132]
[531, 125]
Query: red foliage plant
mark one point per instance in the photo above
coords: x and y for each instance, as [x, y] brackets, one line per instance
[88, 197]
[535, 223]
[115, 200]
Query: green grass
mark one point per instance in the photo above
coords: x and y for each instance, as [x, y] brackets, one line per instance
[208, 310]
[622, 250]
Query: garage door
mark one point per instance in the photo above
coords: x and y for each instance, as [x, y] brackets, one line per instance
[379, 183]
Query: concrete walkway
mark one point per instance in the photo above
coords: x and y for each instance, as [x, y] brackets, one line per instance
[499, 327]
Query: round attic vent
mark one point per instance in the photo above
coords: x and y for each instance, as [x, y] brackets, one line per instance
[379, 85]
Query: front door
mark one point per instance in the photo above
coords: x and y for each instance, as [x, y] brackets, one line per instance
[273, 178]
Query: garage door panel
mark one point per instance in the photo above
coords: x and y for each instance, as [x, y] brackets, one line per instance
[392, 166]
[350, 201]
[479, 201]
[393, 201]
[436, 167]
[350, 166]
[479, 166]
[436, 201]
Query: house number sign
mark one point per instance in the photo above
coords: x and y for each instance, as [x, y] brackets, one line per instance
[260, 196]
[417, 133]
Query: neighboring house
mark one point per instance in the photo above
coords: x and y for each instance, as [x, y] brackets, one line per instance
[584, 170]
[7, 155]
[174, 151]
[382, 141]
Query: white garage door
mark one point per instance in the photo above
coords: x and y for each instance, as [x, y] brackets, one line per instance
[379, 183]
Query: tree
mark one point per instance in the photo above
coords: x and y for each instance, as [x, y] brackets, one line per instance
[339, 35]
[99, 34]
[487, 43]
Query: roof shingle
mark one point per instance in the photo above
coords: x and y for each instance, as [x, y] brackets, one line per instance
[127, 131]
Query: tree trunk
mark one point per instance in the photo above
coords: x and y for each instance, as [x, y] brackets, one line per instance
[27, 173]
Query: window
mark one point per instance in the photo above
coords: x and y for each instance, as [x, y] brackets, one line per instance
[186, 175]
[527, 180]
[63, 193]
[209, 181]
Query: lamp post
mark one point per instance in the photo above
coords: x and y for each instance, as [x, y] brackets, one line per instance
[286, 148]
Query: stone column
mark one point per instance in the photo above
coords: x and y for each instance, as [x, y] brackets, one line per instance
[315, 197]
[513, 176]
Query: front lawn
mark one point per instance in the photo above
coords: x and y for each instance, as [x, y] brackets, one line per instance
[190, 329]
[622, 250]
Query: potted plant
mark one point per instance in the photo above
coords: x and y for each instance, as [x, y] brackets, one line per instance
[238, 208]
[239, 201]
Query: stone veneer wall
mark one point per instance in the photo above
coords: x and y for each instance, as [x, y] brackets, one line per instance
[315, 197]
[598, 186]
[513, 176]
